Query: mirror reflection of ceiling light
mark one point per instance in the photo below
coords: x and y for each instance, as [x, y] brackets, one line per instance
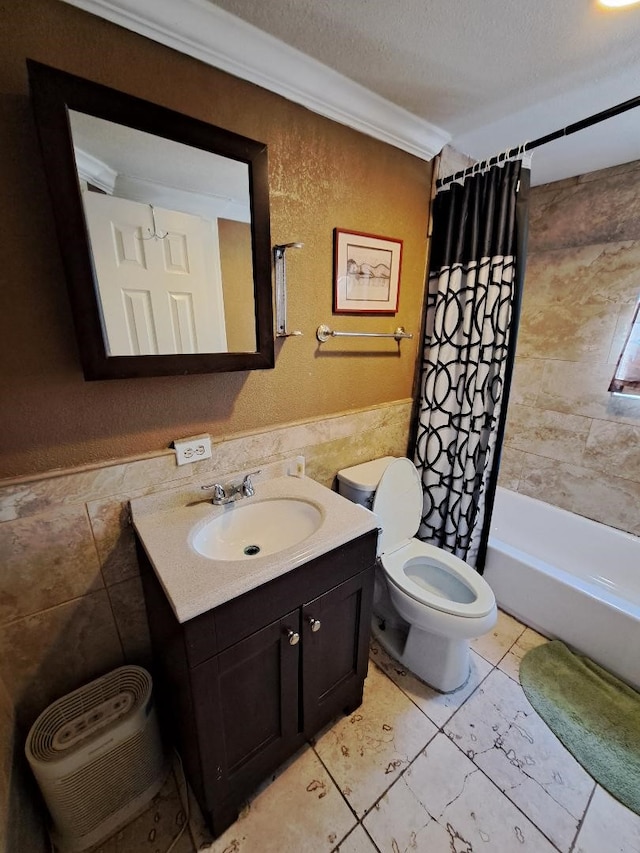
[614, 4]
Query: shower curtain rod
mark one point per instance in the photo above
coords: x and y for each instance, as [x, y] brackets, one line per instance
[543, 140]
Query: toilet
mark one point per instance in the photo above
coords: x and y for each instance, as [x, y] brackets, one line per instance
[428, 603]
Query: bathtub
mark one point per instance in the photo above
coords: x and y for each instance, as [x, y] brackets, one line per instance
[569, 578]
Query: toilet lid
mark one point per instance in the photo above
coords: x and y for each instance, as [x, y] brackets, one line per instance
[398, 504]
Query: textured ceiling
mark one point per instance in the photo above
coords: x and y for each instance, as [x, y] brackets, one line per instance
[490, 72]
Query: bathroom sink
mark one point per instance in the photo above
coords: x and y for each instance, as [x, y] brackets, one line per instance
[242, 531]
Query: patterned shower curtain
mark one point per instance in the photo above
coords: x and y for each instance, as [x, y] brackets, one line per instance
[478, 250]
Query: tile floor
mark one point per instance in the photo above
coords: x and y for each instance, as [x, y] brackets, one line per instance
[414, 770]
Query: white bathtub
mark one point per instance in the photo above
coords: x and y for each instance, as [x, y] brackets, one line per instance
[569, 578]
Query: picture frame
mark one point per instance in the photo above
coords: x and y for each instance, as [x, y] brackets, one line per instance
[367, 271]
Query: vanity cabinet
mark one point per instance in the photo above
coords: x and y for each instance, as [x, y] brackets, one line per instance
[241, 687]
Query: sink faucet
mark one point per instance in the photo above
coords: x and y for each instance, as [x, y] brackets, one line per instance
[230, 493]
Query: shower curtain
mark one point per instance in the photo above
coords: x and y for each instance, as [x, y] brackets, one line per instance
[478, 250]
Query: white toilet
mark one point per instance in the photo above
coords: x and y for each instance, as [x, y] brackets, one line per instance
[428, 603]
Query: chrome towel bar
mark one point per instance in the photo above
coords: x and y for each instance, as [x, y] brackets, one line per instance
[323, 333]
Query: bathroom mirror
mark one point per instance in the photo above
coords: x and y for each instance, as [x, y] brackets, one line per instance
[163, 224]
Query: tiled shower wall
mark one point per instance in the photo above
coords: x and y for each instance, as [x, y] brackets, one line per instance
[71, 603]
[568, 441]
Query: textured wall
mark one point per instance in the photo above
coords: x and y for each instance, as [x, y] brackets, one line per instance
[322, 175]
[569, 442]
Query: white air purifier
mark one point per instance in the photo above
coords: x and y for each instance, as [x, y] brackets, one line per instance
[97, 756]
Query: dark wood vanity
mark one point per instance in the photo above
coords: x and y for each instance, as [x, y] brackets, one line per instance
[244, 685]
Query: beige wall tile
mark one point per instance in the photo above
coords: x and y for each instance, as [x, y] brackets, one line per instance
[612, 171]
[7, 743]
[511, 461]
[527, 379]
[50, 653]
[550, 481]
[28, 498]
[621, 332]
[566, 332]
[580, 275]
[580, 291]
[587, 212]
[555, 435]
[129, 611]
[45, 560]
[114, 539]
[601, 496]
[22, 828]
[579, 389]
[324, 462]
[614, 449]
[611, 500]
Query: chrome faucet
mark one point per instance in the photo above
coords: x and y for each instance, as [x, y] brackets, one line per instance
[230, 493]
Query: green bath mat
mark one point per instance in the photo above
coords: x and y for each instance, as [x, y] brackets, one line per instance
[593, 713]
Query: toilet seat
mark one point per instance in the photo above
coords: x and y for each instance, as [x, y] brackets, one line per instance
[427, 574]
[403, 569]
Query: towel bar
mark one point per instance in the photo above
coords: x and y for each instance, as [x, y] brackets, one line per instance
[323, 333]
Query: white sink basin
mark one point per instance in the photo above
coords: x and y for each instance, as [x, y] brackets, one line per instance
[242, 531]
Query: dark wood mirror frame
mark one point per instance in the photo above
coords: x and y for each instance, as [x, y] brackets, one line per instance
[53, 93]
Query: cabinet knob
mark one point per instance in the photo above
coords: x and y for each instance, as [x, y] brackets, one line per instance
[293, 636]
[315, 624]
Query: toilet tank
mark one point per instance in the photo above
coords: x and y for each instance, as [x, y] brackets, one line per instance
[359, 483]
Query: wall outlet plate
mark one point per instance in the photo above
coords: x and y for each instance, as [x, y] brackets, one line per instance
[192, 449]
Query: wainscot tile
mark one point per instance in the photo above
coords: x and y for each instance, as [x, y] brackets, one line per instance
[48, 654]
[114, 538]
[495, 644]
[76, 487]
[128, 605]
[439, 707]
[443, 803]
[45, 560]
[502, 734]
[366, 751]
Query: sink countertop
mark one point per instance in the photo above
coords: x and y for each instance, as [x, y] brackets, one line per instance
[195, 584]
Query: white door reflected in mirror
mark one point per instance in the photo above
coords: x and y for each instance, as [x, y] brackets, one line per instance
[170, 233]
[159, 279]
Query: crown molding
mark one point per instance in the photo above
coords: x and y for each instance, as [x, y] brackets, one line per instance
[206, 32]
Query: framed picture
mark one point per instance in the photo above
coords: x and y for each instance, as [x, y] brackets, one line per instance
[366, 273]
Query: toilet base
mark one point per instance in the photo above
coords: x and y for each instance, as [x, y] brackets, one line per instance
[440, 662]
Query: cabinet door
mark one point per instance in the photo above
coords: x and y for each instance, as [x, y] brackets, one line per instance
[246, 707]
[335, 655]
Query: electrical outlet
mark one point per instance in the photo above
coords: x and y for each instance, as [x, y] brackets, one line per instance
[192, 449]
